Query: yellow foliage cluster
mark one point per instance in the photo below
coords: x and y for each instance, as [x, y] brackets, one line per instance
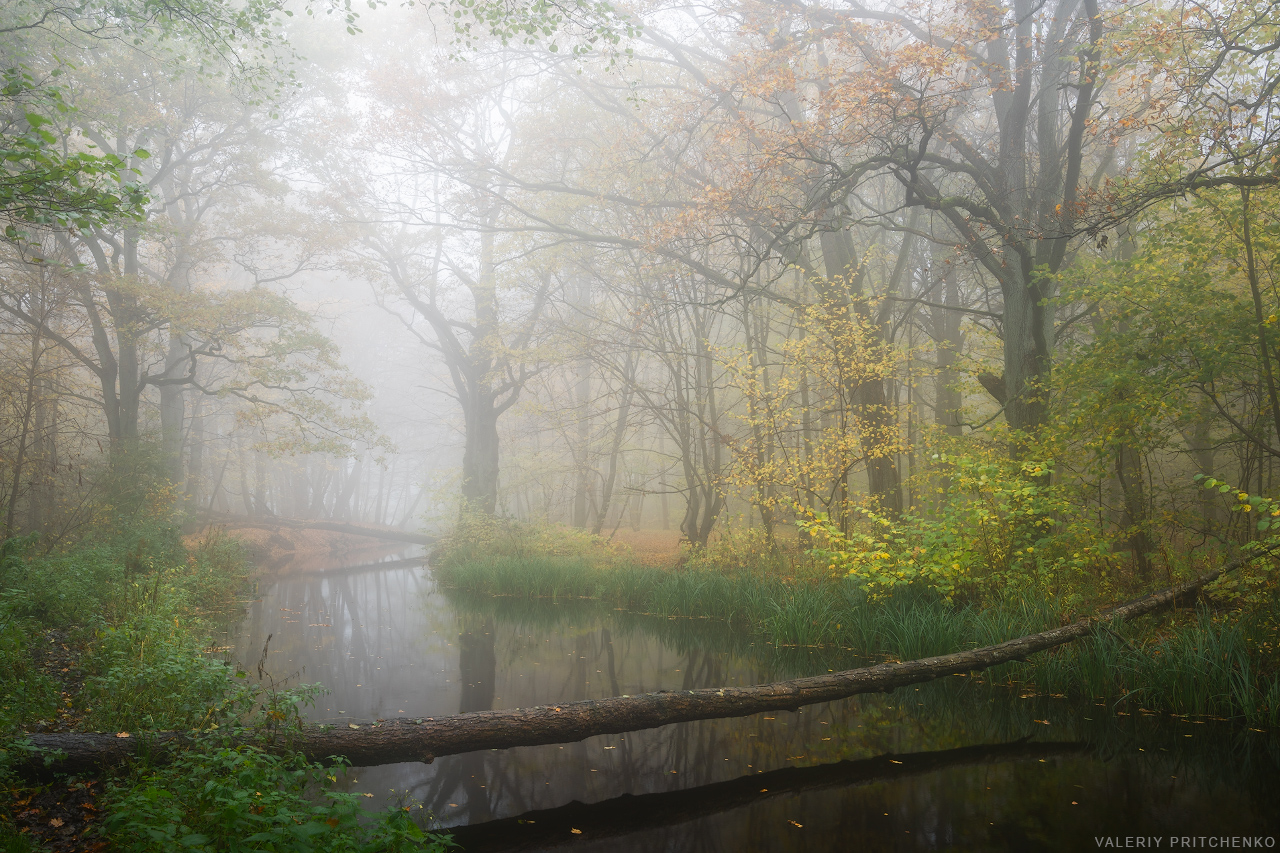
[787, 456]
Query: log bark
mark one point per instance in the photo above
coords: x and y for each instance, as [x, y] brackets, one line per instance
[425, 739]
[389, 534]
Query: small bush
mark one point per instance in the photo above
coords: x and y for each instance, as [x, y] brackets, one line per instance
[151, 675]
[26, 694]
[241, 798]
[224, 794]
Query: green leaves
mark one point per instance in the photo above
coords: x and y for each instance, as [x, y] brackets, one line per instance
[44, 180]
[1266, 510]
[588, 22]
[998, 525]
[224, 798]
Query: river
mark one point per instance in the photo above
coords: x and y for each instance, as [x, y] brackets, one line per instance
[953, 765]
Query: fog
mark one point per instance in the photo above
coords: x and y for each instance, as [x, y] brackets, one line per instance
[663, 267]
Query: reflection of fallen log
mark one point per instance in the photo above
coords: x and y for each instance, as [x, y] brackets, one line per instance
[422, 740]
[628, 813]
[361, 569]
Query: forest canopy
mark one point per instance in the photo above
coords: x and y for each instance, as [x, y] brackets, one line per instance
[847, 274]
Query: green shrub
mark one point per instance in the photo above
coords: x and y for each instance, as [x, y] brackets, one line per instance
[150, 674]
[225, 794]
[244, 799]
[26, 694]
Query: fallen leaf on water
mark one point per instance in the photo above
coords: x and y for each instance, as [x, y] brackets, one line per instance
[793, 823]
[764, 790]
[576, 831]
[894, 761]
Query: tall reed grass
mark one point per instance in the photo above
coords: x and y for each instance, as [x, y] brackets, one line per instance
[1201, 665]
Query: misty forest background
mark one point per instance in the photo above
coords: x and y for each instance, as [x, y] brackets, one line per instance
[971, 298]
[891, 328]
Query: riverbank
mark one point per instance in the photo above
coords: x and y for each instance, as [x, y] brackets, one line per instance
[1216, 656]
[125, 633]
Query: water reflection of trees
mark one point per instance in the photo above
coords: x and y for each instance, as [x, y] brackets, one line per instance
[383, 641]
[587, 661]
[360, 634]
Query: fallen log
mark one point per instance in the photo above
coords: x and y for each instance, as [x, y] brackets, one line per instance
[389, 534]
[425, 739]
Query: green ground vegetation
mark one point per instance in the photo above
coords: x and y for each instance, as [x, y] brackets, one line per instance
[120, 633]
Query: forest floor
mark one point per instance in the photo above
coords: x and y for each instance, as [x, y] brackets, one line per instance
[659, 549]
[61, 816]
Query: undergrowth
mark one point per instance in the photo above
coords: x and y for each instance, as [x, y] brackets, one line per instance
[224, 794]
[116, 633]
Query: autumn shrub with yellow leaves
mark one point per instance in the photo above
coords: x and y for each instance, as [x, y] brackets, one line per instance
[1000, 528]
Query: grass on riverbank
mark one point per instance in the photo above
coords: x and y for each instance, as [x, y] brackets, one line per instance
[1198, 661]
[120, 633]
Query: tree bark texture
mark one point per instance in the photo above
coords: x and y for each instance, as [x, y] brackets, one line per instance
[568, 722]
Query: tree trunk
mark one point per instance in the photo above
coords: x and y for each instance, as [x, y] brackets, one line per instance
[195, 461]
[480, 458]
[43, 485]
[1028, 353]
[172, 411]
[567, 722]
[24, 434]
[878, 426]
[948, 342]
[342, 509]
[615, 450]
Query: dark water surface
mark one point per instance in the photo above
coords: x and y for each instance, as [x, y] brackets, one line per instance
[952, 765]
